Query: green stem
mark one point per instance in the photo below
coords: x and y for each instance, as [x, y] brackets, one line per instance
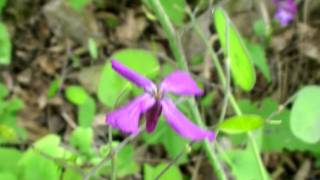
[178, 53]
[230, 95]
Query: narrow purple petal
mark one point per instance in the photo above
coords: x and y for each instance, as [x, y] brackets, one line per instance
[180, 82]
[152, 116]
[133, 76]
[182, 125]
[286, 10]
[127, 117]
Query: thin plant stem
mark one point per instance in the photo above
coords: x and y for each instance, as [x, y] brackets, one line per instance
[230, 96]
[112, 153]
[178, 53]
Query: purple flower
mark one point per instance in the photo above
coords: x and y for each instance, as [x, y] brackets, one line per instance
[286, 10]
[153, 102]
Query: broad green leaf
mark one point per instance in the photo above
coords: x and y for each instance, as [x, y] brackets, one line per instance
[259, 58]
[244, 164]
[8, 175]
[71, 175]
[82, 139]
[32, 161]
[259, 28]
[76, 95]
[5, 45]
[86, 112]
[7, 133]
[93, 49]
[78, 5]
[14, 105]
[3, 91]
[10, 158]
[241, 124]
[241, 64]
[112, 85]
[173, 173]
[174, 9]
[305, 115]
[125, 162]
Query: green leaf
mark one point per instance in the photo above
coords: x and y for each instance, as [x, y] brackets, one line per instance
[245, 165]
[305, 115]
[241, 124]
[71, 175]
[82, 139]
[125, 162]
[2, 5]
[5, 45]
[53, 88]
[112, 85]
[86, 112]
[8, 176]
[259, 58]
[171, 141]
[173, 173]
[76, 95]
[11, 158]
[32, 161]
[174, 9]
[241, 65]
[259, 28]
[277, 137]
[3, 91]
[78, 5]
[93, 49]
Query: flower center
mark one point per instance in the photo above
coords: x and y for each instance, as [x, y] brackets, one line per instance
[157, 94]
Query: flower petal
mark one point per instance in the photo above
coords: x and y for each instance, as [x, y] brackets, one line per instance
[152, 116]
[133, 76]
[127, 117]
[182, 125]
[180, 82]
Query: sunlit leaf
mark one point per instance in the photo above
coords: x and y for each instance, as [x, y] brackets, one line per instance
[5, 45]
[82, 139]
[173, 173]
[241, 124]
[93, 49]
[305, 115]
[86, 112]
[241, 64]
[76, 95]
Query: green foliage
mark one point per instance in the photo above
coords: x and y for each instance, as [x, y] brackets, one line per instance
[76, 95]
[53, 88]
[241, 124]
[241, 65]
[112, 85]
[151, 173]
[244, 163]
[5, 45]
[93, 49]
[82, 138]
[125, 162]
[172, 142]
[175, 9]
[78, 5]
[86, 113]
[32, 161]
[9, 130]
[259, 28]
[257, 51]
[305, 116]
[278, 137]
[3, 3]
